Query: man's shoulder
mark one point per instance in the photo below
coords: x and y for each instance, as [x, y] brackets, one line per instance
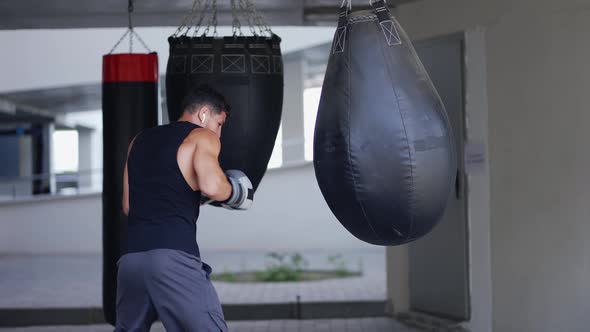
[202, 137]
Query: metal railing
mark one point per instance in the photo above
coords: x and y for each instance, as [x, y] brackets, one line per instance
[90, 180]
[50, 184]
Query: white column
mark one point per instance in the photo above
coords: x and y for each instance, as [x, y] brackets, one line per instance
[398, 279]
[478, 182]
[293, 138]
[85, 153]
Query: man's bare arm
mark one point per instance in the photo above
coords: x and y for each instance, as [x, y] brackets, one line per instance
[211, 179]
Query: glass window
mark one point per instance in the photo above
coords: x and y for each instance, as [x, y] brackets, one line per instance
[276, 159]
[311, 102]
[64, 151]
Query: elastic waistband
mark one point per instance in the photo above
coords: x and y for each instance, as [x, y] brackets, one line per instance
[144, 238]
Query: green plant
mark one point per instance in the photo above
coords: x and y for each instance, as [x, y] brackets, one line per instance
[340, 265]
[298, 262]
[282, 267]
[225, 276]
[279, 269]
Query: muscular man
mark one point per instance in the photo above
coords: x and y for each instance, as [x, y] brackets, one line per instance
[168, 169]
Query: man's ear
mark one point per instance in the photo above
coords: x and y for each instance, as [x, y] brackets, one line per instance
[201, 113]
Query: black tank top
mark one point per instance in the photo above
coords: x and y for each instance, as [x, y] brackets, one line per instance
[163, 208]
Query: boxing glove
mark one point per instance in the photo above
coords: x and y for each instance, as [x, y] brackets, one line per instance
[242, 191]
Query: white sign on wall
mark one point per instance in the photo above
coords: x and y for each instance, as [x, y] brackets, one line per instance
[475, 157]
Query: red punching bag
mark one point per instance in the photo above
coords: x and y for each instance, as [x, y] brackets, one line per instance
[129, 105]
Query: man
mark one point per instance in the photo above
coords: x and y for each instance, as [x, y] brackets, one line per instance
[169, 168]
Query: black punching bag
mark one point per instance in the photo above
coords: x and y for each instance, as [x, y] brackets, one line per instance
[248, 71]
[129, 105]
[383, 150]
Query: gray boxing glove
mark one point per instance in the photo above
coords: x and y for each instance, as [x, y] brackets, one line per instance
[242, 191]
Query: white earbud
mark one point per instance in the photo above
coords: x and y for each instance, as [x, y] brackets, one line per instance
[203, 118]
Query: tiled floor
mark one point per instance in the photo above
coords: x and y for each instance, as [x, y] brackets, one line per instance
[320, 325]
[75, 281]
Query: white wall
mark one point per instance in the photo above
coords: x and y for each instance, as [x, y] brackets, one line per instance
[539, 83]
[52, 225]
[535, 77]
[289, 213]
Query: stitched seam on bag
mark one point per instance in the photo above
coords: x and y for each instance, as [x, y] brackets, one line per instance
[411, 193]
[349, 159]
[361, 21]
[364, 18]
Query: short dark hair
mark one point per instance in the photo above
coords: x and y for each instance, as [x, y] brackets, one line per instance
[204, 95]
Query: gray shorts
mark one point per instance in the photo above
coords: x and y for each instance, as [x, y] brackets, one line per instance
[171, 285]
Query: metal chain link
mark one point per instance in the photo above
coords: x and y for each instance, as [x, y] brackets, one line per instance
[262, 21]
[213, 20]
[131, 41]
[236, 24]
[201, 18]
[119, 41]
[185, 20]
[141, 41]
[251, 10]
[246, 14]
[258, 19]
[129, 11]
[130, 31]
[193, 16]
[209, 7]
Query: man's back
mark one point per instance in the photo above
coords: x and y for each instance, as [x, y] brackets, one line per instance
[168, 169]
[163, 207]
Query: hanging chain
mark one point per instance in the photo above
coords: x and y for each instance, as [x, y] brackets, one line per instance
[213, 20]
[129, 11]
[252, 13]
[187, 20]
[204, 8]
[257, 19]
[193, 15]
[260, 20]
[119, 41]
[130, 31]
[142, 42]
[236, 25]
[246, 12]
[349, 4]
[201, 18]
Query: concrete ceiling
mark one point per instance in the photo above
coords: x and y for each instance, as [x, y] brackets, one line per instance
[39, 14]
[12, 114]
[43, 105]
[60, 100]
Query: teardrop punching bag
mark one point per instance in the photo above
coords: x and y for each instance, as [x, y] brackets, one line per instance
[248, 71]
[129, 105]
[383, 151]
